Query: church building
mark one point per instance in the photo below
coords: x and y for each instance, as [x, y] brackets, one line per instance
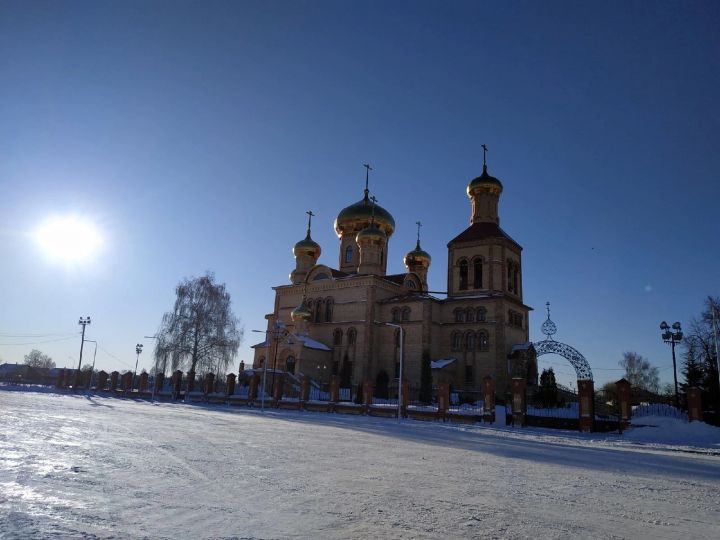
[328, 321]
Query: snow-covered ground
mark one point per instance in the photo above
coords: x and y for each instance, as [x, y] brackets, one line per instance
[94, 467]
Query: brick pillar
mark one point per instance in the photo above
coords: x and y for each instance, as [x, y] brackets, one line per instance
[176, 383]
[230, 386]
[694, 402]
[489, 399]
[623, 401]
[368, 392]
[334, 388]
[126, 381]
[253, 389]
[519, 401]
[102, 380]
[279, 383]
[209, 384]
[586, 397]
[68, 377]
[142, 385]
[405, 398]
[305, 388]
[114, 380]
[443, 399]
[190, 386]
[60, 378]
[159, 380]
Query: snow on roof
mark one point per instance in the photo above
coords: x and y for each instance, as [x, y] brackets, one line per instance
[310, 343]
[261, 345]
[521, 347]
[441, 363]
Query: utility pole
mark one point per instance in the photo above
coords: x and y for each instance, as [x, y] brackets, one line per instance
[138, 350]
[83, 322]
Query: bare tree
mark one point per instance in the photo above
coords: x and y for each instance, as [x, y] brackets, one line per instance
[201, 332]
[639, 372]
[37, 359]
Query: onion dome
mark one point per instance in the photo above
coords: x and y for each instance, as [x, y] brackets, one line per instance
[484, 182]
[371, 234]
[358, 216]
[301, 313]
[307, 246]
[417, 257]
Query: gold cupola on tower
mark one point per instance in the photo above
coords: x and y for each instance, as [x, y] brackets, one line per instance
[484, 193]
[301, 313]
[418, 260]
[307, 251]
[353, 219]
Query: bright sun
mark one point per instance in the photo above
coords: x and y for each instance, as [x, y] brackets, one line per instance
[70, 238]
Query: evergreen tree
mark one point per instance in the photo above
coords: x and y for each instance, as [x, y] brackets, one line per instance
[547, 392]
[425, 378]
[693, 368]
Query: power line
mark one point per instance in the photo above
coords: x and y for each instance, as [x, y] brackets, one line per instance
[39, 342]
[31, 335]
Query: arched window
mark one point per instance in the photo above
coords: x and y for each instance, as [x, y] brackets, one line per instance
[511, 277]
[405, 315]
[483, 341]
[410, 284]
[477, 273]
[348, 254]
[337, 337]
[328, 309]
[470, 341]
[382, 257]
[319, 276]
[290, 364]
[456, 341]
[351, 336]
[481, 314]
[470, 315]
[459, 315]
[516, 271]
[396, 315]
[318, 311]
[261, 362]
[463, 274]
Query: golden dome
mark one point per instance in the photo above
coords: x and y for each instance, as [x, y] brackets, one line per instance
[371, 233]
[308, 246]
[484, 182]
[417, 257]
[358, 216]
[302, 312]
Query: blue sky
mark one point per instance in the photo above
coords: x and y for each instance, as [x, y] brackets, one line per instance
[196, 135]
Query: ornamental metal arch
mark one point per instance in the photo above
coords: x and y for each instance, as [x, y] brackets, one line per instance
[572, 355]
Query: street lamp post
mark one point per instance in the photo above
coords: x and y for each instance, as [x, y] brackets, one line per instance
[83, 322]
[400, 381]
[276, 334]
[138, 350]
[672, 335]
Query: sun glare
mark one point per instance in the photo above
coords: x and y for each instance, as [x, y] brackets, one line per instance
[70, 238]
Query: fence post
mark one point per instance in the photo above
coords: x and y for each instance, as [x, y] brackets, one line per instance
[159, 380]
[253, 389]
[304, 390]
[209, 384]
[519, 401]
[694, 400]
[230, 386]
[586, 397]
[405, 399]
[278, 391]
[60, 378]
[176, 383]
[190, 382]
[334, 389]
[114, 380]
[489, 399]
[368, 391]
[142, 385]
[443, 400]
[102, 380]
[622, 388]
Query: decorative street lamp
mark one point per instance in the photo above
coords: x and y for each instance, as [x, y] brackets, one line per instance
[138, 350]
[278, 333]
[672, 335]
[82, 322]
